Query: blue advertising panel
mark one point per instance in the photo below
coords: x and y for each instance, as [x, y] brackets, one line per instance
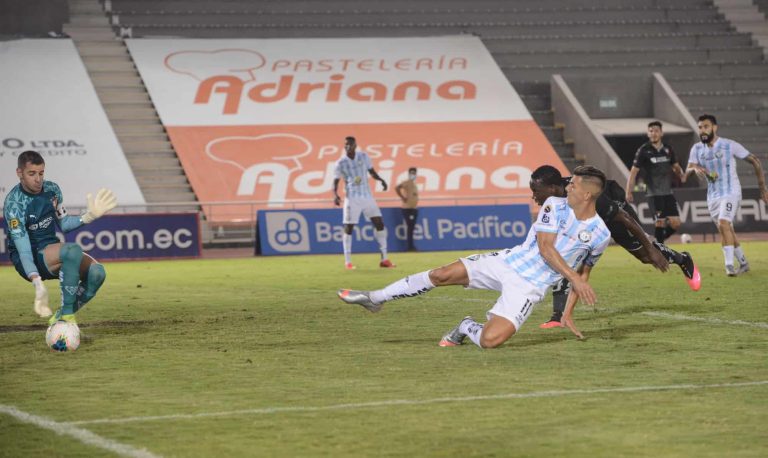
[482, 228]
[132, 236]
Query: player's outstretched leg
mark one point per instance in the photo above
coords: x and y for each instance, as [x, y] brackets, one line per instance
[685, 261]
[455, 336]
[88, 288]
[691, 272]
[381, 238]
[559, 298]
[738, 253]
[412, 285]
[69, 276]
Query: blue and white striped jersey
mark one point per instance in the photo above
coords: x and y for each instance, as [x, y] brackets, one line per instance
[577, 242]
[720, 159]
[355, 174]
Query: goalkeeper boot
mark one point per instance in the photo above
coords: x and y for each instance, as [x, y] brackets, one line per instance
[58, 316]
[363, 298]
[454, 337]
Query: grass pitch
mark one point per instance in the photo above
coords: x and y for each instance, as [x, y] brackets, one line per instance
[257, 357]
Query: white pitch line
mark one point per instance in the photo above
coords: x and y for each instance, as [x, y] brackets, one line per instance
[676, 316]
[414, 402]
[83, 435]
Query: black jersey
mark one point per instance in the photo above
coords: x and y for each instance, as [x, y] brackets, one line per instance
[608, 205]
[657, 168]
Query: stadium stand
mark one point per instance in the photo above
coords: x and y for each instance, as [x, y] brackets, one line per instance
[711, 66]
[707, 50]
[128, 107]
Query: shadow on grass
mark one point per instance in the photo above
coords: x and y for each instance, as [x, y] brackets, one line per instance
[96, 324]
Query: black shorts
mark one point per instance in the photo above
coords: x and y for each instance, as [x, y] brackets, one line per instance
[663, 206]
[624, 238]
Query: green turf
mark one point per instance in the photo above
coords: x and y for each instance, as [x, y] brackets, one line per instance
[196, 337]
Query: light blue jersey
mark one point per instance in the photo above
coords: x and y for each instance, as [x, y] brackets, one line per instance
[721, 160]
[577, 242]
[355, 174]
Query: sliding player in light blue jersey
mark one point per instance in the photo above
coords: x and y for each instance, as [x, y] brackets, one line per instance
[714, 159]
[566, 240]
[33, 210]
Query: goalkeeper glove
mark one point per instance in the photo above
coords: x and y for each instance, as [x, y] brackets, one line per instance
[102, 204]
[41, 298]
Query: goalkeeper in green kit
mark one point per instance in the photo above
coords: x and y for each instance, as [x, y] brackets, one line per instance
[33, 210]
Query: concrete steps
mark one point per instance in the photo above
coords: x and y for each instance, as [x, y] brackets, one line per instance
[128, 106]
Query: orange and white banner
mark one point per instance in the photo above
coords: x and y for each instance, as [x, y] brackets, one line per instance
[265, 120]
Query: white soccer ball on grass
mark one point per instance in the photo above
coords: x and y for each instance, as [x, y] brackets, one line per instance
[63, 336]
[686, 238]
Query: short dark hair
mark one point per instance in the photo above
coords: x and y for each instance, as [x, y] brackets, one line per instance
[708, 117]
[655, 123]
[591, 172]
[350, 139]
[547, 175]
[30, 157]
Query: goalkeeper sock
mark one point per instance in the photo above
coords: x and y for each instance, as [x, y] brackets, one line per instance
[69, 276]
[659, 234]
[410, 286]
[473, 330]
[88, 289]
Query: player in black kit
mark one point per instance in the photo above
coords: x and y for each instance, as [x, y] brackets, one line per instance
[622, 221]
[657, 160]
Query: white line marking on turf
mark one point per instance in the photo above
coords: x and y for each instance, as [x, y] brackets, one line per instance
[83, 435]
[413, 402]
[677, 316]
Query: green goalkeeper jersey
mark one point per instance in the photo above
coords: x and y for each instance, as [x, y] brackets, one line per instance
[32, 220]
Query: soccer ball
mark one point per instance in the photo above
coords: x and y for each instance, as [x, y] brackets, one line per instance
[686, 238]
[63, 336]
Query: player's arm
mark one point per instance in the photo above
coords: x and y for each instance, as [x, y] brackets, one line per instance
[676, 169]
[570, 304]
[631, 182]
[67, 222]
[336, 197]
[15, 226]
[546, 243]
[626, 220]
[399, 189]
[378, 178]
[752, 159]
[700, 171]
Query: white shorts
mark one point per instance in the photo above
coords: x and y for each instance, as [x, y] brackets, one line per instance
[518, 296]
[724, 208]
[353, 206]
